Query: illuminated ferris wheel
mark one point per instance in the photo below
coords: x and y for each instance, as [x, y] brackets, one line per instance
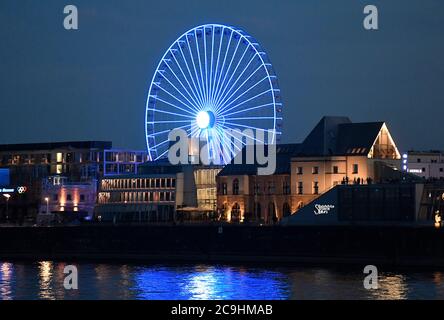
[211, 80]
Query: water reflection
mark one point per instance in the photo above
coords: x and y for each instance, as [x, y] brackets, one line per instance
[209, 282]
[6, 270]
[44, 280]
[393, 287]
[45, 274]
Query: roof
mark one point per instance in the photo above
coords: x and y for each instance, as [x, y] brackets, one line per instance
[357, 137]
[56, 145]
[284, 153]
[339, 136]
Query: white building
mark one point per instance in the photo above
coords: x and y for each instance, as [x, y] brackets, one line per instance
[426, 164]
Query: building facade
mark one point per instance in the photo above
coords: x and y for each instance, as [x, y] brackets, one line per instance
[63, 197]
[335, 152]
[159, 193]
[424, 164]
[78, 163]
[243, 196]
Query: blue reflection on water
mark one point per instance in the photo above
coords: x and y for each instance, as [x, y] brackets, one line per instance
[209, 282]
[44, 280]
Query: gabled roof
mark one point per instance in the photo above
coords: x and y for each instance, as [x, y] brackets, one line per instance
[339, 136]
[284, 153]
[357, 138]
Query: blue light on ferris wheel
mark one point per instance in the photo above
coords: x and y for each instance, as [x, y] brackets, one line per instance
[213, 79]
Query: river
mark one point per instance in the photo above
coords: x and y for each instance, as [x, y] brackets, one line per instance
[45, 280]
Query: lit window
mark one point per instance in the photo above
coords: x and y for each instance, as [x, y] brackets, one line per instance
[224, 188]
[236, 187]
[286, 187]
[355, 168]
[315, 187]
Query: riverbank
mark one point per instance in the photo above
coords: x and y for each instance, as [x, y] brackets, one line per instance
[388, 245]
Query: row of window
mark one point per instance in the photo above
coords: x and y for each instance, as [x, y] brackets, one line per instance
[139, 183]
[315, 187]
[270, 188]
[132, 197]
[55, 197]
[315, 170]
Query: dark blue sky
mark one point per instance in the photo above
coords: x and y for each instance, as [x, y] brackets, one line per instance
[91, 84]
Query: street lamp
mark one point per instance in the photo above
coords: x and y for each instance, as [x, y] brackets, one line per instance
[47, 205]
[7, 196]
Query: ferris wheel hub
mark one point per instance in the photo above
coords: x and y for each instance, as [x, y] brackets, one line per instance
[205, 119]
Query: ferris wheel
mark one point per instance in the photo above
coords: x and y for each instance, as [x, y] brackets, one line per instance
[211, 80]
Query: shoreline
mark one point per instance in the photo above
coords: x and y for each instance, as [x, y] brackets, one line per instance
[396, 246]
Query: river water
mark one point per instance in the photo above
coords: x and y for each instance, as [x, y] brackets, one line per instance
[45, 280]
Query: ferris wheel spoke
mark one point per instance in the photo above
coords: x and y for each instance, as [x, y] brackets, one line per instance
[222, 99]
[172, 113]
[248, 100]
[245, 92]
[217, 65]
[253, 108]
[222, 84]
[216, 89]
[196, 92]
[164, 153]
[192, 97]
[211, 64]
[250, 118]
[200, 66]
[222, 94]
[220, 145]
[204, 35]
[228, 146]
[172, 104]
[235, 125]
[228, 150]
[234, 137]
[167, 131]
[194, 67]
[193, 105]
[168, 121]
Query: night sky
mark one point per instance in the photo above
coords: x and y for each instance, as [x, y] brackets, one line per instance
[91, 84]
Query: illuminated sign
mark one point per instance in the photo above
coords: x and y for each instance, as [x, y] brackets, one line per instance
[415, 170]
[5, 190]
[405, 162]
[22, 189]
[323, 209]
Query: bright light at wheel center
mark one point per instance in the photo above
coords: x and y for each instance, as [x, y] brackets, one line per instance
[203, 119]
